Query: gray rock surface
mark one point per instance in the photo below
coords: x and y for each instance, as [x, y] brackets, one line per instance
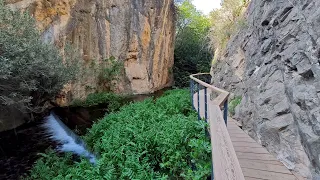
[280, 84]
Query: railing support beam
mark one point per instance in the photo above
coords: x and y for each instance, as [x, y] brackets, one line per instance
[192, 92]
[198, 97]
[225, 111]
[205, 104]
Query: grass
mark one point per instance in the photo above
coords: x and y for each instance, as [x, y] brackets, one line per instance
[159, 139]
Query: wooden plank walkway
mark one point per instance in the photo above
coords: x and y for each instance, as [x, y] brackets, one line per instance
[255, 161]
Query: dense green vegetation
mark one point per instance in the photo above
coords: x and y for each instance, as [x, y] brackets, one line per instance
[198, 37]
[31, 71]
[109, 72]
[192, 52]
[113, 101]
[159, 139]
[225, 22]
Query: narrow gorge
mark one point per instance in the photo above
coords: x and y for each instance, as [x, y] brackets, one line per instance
[126, 82]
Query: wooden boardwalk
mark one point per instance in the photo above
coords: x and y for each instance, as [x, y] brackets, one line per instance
[255, 161]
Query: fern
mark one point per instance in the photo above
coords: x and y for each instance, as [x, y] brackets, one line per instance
[144, 140]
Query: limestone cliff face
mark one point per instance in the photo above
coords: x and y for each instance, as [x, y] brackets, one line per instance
[139, 33]
[274, 65]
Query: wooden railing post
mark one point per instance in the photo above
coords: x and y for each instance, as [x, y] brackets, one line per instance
[212, 171]
[205, 104]
[225, 111]
[198, 100]
[192, 92]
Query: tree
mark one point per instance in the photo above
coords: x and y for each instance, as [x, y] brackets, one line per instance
[192, 52]
[31, 71]
[226, 21]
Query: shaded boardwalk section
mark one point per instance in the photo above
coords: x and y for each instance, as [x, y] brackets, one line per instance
[256, 162]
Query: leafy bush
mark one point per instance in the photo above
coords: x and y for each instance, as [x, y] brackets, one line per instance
[192, 52]
[144, 140]
[31, 71]
[226, 21]
[233, 104]
[113, 100]
[109, 71]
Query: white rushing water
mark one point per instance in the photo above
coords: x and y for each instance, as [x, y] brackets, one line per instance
[69, 141]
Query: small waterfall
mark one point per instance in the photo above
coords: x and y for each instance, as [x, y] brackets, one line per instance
[69, 141]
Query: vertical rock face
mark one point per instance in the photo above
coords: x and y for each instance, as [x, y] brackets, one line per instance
[139, 33]
[274, 65]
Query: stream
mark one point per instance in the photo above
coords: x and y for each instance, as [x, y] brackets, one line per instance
[19, 147]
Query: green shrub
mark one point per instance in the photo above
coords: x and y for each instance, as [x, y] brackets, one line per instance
[109, 71]
[31, 71]
[233, 104]
[113, 100]
[144, 140]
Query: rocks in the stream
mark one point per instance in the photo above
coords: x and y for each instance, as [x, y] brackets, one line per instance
[278, 79]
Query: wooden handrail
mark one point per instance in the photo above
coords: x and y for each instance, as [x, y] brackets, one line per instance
[226, 165]
[218, 90]
[221, 98]
[224, 159]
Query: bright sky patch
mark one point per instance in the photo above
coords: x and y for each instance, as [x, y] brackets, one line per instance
[206, 6]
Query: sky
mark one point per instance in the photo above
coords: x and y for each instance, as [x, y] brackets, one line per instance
[206, 6]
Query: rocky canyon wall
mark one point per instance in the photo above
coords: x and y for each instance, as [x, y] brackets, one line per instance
[139, 33]
[273, 63]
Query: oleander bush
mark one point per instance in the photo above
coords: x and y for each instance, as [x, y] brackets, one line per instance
[31, 71]
[159, 139]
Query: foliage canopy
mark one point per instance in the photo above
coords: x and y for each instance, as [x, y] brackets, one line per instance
[226, 21]
[192, 52]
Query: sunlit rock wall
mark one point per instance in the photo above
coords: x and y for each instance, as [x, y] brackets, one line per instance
[140, 33]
